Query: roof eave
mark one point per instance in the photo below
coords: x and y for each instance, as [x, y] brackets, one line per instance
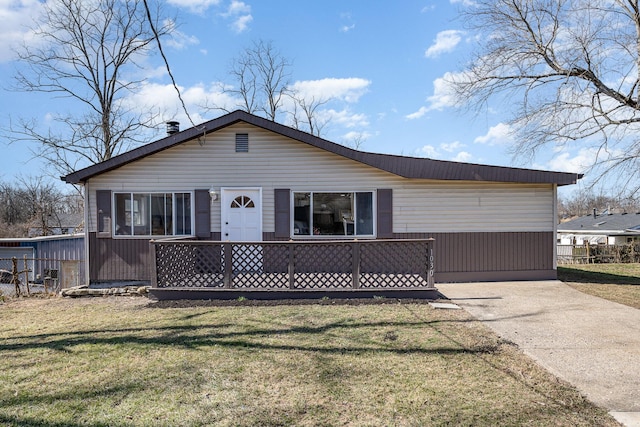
[406, 167]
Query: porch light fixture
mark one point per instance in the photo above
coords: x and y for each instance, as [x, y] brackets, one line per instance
[213, 193]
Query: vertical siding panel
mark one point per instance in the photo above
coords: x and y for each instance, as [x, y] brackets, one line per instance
[119, 259]
[527, 249]
[488, 248]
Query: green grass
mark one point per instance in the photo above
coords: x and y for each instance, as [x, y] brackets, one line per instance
[119, 361]
[615, 282]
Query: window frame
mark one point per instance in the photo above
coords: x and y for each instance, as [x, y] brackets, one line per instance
[174, 214]
[374, 214]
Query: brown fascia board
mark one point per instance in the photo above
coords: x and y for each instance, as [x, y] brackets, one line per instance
[407, 167]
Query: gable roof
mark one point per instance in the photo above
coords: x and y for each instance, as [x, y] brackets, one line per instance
[616, 223]
[407, 167]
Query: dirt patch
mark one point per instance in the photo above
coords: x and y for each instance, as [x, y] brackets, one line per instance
[283, 302]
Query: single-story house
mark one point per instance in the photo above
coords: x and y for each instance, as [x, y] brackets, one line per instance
[240, 177]
[605, 228]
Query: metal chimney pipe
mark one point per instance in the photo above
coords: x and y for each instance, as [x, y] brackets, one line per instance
[173, 127]
[594, 213]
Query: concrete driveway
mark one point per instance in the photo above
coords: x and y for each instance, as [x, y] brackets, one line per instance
[592, 343]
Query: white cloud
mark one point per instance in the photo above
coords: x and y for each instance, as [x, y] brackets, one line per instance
[428, 150]
[240, 13]
[348, 24]
[195, 6]
[440, 151]
[163, 99]
[179, 40]
[15, 16]
[499, 134]
[344, 118]
[462, 156]
[445, 41]
[443, 95]
[417, 114]
[463, 2]
[348, 89]
[238, 8]
[155, 73]
[353, 135]
[452, 146]
[241, 24]
[579, 163]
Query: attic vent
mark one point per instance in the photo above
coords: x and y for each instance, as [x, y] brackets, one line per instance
[242, 142]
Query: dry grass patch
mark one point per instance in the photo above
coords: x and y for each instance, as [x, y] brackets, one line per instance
[120, 361]
[615, 282]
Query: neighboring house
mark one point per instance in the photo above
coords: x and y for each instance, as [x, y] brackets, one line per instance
[612, 229]
[244, 178]
[57, 224]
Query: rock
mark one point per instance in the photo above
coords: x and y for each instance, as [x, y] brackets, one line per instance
[84, 290]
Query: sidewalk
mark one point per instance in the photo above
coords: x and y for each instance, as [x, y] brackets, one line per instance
[592, 343]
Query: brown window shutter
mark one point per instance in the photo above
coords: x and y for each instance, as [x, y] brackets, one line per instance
[103, 209]
[282, 213]
[385, 213]
[203, 214]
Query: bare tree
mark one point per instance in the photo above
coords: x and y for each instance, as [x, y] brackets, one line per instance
[356, 140]
[261, 74]
[570, 71]
[35, 202]
[584, 202]
[81, 51]
[305, 116]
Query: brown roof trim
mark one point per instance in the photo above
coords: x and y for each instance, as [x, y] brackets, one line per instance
[407, 167]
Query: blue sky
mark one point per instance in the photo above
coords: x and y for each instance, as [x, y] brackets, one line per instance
[383, 62]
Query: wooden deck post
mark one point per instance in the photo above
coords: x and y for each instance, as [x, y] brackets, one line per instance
[355, 258]
[227, 249]
[154, 264]
[430, 266]
[291, 269]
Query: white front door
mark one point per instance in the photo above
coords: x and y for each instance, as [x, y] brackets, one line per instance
[242, 222]
[241, 214]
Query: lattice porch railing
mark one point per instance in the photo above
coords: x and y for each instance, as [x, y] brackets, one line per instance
[294, 265]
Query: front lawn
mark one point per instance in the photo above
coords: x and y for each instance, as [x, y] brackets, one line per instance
[616, 282]
[120, 361]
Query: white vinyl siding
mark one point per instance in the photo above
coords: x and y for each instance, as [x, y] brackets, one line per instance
[472, 207]
[275, 161]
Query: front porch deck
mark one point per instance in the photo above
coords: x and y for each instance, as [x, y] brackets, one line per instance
[186, 269]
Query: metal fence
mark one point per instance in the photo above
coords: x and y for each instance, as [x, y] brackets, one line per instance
[40, 274]
[294, 265]
[597, 254]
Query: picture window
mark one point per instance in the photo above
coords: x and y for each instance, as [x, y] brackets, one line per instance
[318, 214]
[153, 214]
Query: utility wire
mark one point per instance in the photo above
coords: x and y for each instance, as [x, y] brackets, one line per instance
[166, 62]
